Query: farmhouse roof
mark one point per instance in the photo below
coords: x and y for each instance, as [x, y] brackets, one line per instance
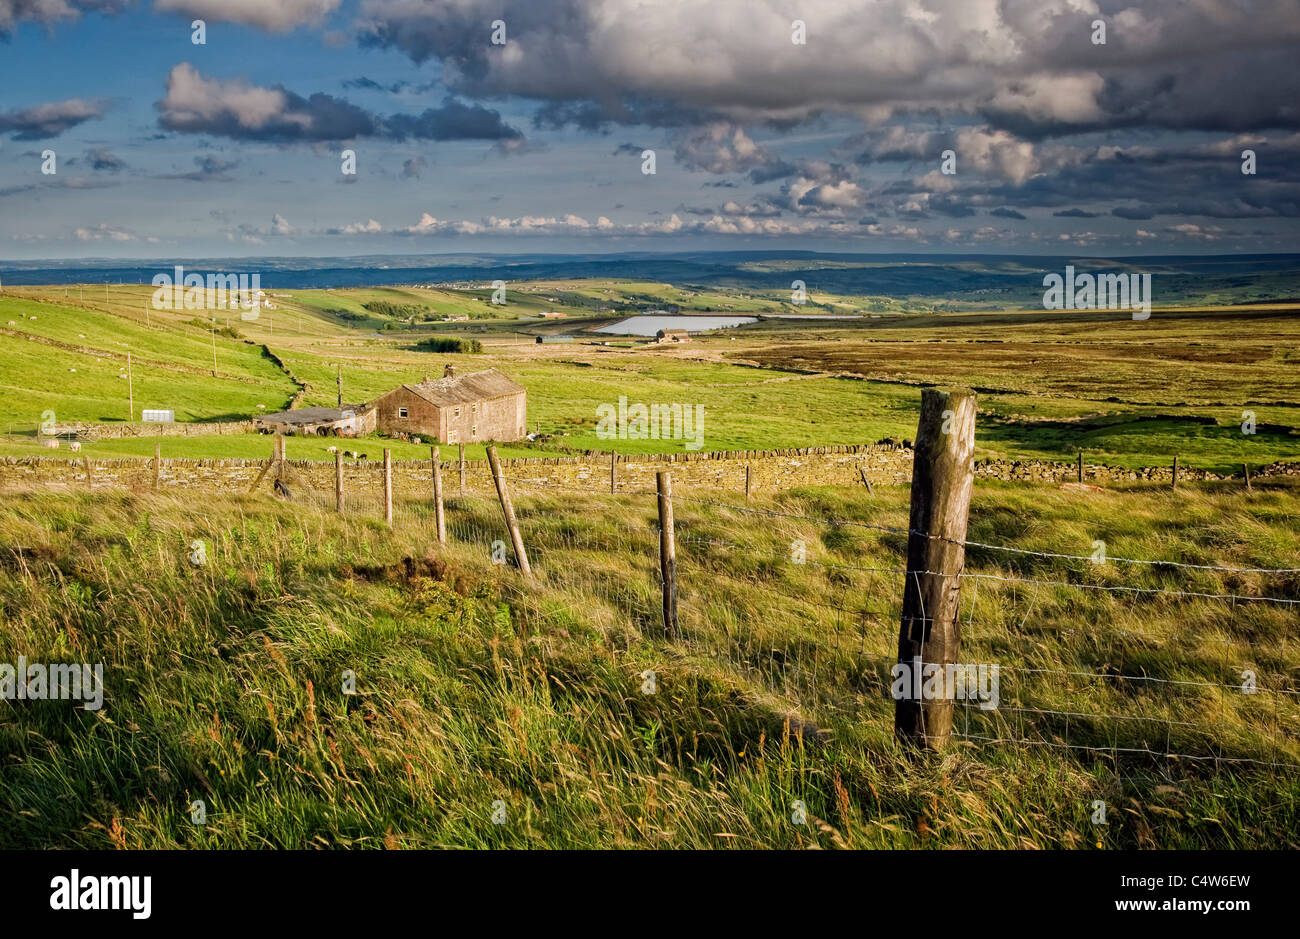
[313, 415]
[666, 333]
[462, 389]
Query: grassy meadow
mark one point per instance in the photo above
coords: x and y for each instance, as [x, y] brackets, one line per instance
[478, 693]
[1126, 393]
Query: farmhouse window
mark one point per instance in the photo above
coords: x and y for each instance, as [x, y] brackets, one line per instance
[451, 436]
[401, 412]
[458, 412]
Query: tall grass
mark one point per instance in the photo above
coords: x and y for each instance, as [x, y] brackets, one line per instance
[478, 692]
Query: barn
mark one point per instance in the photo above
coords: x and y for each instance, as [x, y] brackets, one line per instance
[483, 405]
[348, 421]
[672, 335]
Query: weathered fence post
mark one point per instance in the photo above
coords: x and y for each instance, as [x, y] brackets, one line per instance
[462, 468]
[157, 464]
[668, 552]
[930, 633]
[439, 518]
[508, 510]
[1175, 483]
[388, 486]
[338, 481]
[866, 482]
[1246, 467]
[275, 458]
[1080, 466]
[613, 471]
[748, 482]
[90, 480]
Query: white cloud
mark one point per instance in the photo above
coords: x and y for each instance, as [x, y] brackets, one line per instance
[273, 15]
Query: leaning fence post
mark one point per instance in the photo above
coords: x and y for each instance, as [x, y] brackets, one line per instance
[668, 552]
[508, 510]
[439, 518]
[338, 481]
[157, 464]
[275, 458]
[388, 486]
[930, 632]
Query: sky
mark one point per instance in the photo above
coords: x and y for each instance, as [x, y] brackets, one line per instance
[500, 126]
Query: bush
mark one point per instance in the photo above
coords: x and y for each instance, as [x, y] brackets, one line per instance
[449, 345]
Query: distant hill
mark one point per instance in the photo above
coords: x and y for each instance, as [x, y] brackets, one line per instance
[1008, 280]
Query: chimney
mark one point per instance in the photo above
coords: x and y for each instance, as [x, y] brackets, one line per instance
[449, 371]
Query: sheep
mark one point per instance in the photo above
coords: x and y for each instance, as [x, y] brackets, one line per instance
[52, 444]
[331, 449]
[75, 446]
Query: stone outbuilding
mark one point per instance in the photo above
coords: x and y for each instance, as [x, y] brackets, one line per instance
[348, 421]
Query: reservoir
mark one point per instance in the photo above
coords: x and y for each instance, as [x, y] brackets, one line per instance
[649, 325]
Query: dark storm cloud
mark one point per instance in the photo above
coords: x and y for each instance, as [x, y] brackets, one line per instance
[49, 120]
[452, 121]
[240, 110]
[1027, 67]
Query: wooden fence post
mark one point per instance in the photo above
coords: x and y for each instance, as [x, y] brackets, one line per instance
[157, 464]
[930, 633]
[1175, 485]
[1246, 467]
[613, 471]
[866, 482]
[462, 468]
[508, 510]
[275, 458]
[1080, 466]
[90, 480]
[338, 481]
[748, 481]
[388, 486]
[439, 518]
[668, 552]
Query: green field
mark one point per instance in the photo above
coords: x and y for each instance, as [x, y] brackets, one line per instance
[478, 693]
[1126, 393]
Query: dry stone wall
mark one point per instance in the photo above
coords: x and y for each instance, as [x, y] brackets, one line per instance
[719, 471]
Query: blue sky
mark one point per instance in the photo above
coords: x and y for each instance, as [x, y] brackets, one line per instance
[1059, 144]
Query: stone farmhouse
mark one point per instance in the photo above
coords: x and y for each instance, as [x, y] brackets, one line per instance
[478, 406]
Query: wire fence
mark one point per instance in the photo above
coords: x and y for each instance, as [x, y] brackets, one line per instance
[1126, 659]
